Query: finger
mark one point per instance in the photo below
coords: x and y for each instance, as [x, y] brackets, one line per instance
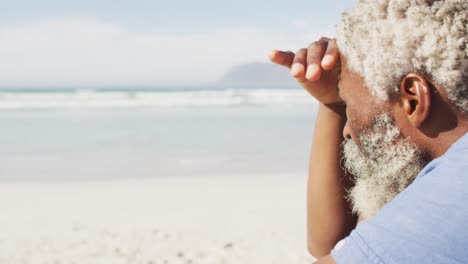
[315, 53]
[331, 56]
[284, 58]
[299, 64]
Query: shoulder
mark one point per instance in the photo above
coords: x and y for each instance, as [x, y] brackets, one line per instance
[445, 172]
[424, 224]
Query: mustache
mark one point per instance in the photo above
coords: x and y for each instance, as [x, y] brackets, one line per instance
[352, 157]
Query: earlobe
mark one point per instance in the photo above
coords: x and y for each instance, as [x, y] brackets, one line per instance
[416, 98]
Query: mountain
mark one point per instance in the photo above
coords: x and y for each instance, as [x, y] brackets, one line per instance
[257, 75]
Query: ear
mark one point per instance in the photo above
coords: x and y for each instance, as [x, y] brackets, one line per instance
[416, 98]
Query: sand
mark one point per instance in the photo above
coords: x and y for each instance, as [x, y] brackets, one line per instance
[225, 219]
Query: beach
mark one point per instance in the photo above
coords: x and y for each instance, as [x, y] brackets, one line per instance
[154, 176]
[232, 219]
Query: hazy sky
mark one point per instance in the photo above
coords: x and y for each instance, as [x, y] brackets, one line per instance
[143, 42]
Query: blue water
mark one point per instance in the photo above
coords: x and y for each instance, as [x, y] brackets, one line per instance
[84, 142]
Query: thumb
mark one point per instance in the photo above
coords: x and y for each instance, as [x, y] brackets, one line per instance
[284, 58]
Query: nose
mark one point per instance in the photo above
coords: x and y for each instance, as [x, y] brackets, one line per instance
[347, 131]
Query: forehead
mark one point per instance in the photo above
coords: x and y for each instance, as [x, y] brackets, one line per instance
[354, 90]
[351, 84]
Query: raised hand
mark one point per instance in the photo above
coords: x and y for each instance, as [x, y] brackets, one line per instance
[315, 68]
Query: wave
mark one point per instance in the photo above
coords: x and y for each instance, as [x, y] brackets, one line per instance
[150, 99]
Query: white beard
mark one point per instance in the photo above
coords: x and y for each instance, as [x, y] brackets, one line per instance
[387, 164]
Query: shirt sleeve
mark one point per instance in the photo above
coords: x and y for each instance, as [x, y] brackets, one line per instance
[354, 249]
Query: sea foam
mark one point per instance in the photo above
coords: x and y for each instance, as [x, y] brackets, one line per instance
[150, 98]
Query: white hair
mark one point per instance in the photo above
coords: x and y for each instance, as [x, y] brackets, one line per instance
[383, 40]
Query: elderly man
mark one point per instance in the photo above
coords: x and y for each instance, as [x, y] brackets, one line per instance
[393, 111]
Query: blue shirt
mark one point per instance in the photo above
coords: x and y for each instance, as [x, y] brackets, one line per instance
[426, 223]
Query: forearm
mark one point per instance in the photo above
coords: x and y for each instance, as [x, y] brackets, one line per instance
[329, 217]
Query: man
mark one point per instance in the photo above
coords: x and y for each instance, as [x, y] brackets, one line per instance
[401, 67]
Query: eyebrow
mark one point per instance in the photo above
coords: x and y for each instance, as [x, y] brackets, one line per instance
[337, 86]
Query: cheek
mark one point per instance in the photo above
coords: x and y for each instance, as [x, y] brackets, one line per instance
[361, 113]
[357, 121]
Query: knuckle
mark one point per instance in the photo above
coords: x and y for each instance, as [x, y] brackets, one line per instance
[313, 57]
[313, 60]
[324, 40]
[301, 51]
[314, 45]
[300, 55]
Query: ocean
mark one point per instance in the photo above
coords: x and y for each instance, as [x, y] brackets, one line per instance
[89, 134]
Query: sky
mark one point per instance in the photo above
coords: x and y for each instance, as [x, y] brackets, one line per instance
[150, 42]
